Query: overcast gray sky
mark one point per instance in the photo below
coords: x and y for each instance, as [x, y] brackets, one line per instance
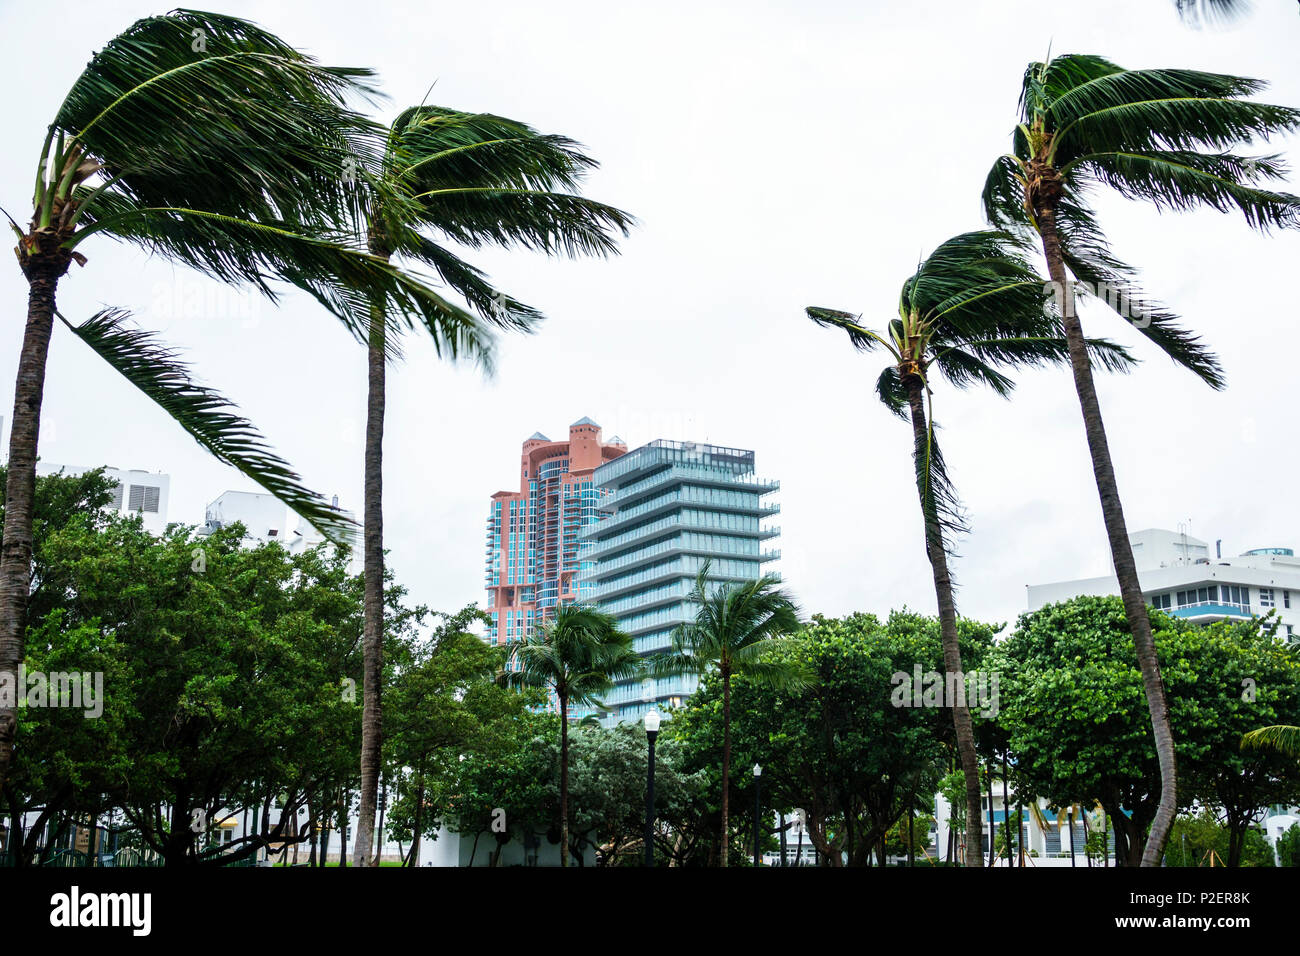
[778, 155]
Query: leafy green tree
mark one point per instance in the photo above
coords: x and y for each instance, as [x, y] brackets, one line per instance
[511, 792]
[918, 824]
[972, 311]
[72, 757]
[1202, 841]
[1288, 846]
[224, 674]
[1070, 679]
[841, 748]
[1164, 136]
[608, 783]
[207, 141]
[578, 655]
[472, 179]
[735, 627]
[443, 702]
[1259, 684]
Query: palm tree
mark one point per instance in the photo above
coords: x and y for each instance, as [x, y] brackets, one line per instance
[210, 143]
[472, 179]
[1284, 738]
[577, 654]
[735, 626]
[1164, 136]
[973, 308]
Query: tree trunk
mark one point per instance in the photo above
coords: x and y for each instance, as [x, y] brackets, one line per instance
[1121, 549]
[43, 270]
[726, 759]
[564, 779]
[373, 632]
[965, 730]
[343, 829]
[419, 823]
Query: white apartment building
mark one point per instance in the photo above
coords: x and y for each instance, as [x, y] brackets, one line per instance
[265, 519]
[138, 492]
[262, 515]
[1180, 575]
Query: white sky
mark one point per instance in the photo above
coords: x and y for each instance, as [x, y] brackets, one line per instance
[778, 155]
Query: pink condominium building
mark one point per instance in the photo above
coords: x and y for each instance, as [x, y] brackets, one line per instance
[533, 533]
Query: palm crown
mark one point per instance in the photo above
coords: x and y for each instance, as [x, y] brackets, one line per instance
[477, 179]
[578, 654]
[213, 144]
[734, 627]
[1165, 136]
[973, 310]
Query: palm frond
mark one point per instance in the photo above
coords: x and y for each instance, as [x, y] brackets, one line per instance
[1004, 194]
[479, 178]
[890, 391]
[347, 281]
[1196, 13]
[201, 110]
[1181, 180]
[862, 338]
[939, 499]
[1280, 737]
[1089, 258]
[470, 283]
[207, 415]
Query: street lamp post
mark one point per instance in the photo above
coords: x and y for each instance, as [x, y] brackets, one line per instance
[758, 780]
[651, 732]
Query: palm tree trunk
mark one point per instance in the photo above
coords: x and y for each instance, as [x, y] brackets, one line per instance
[564, 779]
[43, 272]
[726, 758]
[1120, 548]
[373, 628]
[962, 724]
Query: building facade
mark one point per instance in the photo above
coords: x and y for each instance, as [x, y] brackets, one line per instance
[138, 492]
[667, 508]
[1179, 575]
[532, 534]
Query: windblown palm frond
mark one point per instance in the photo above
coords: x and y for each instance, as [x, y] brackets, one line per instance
[1280, 737]
[208, 416]
[1165, 136]
[198, 110]
[347, 281]
[1212, 12]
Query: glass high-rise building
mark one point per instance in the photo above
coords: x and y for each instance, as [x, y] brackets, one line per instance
[532, 533]
[667, 508]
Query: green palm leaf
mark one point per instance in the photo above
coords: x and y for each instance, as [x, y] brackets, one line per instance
[207, 415]
[1280, 737]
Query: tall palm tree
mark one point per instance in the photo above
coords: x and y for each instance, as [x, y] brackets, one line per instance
[474, 179]
[577, 654]
[210, 143]
[735, 626]
[1164, 136]
[971, 310]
